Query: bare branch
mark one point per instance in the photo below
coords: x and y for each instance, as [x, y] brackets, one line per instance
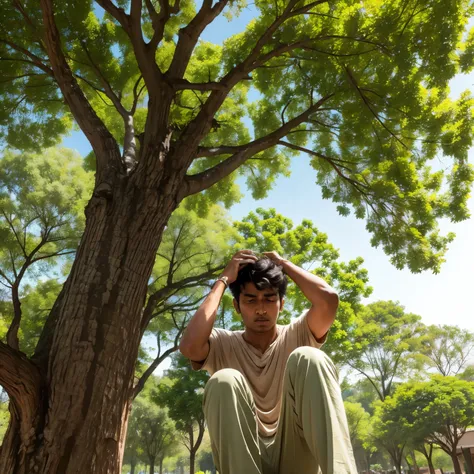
[165, 292]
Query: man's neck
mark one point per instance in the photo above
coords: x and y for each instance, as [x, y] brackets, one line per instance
[260, 340]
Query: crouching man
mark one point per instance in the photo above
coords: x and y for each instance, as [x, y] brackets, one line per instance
[273, 403]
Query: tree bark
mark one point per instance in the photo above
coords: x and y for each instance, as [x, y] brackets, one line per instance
[94, 339]
[456, 463]
[192, 459]
[152, 466]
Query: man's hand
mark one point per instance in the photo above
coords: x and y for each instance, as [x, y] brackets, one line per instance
[274, 256]
[241, 259]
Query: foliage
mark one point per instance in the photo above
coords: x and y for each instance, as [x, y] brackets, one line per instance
[183, 398]
[362, 89]
[359, 423]
[439, 411]
[42, 199]
[151, 434]
[447, 348]
[384, 340]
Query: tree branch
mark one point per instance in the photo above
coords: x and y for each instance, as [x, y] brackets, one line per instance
[189, 36]
[102, 141]
[196, 183]
[163, 293]
[22, 380]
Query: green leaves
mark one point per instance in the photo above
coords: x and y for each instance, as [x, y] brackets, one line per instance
[42, 200]
[386, 66]
[381, 344]
[439, 411]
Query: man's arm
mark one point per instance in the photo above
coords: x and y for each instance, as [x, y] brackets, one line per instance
[195, 341]
[323, 298]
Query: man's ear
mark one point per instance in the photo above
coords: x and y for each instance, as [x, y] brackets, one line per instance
[282, 303]
[236, 305]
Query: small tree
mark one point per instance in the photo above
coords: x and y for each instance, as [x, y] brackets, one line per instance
[386, 433]
[151, 434]
[359, 430]
[183, 397]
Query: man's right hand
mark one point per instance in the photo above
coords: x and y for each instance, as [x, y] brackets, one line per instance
[241, 259]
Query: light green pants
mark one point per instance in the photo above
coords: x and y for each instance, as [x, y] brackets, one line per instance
[312, 431]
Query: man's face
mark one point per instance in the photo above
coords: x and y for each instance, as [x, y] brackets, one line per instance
[259, 308]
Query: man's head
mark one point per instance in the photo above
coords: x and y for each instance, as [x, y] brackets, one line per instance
[259, 293]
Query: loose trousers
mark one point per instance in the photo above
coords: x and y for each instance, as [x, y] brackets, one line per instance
[312, 432]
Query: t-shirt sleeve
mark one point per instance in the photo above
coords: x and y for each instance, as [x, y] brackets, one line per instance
[213, 360]
[300, 331]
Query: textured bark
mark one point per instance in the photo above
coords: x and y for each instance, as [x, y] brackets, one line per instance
[92, 339]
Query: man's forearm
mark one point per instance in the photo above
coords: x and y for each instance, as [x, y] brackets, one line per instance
[200, 327]
[313, 287]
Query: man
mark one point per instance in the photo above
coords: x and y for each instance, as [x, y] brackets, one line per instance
[273, 403]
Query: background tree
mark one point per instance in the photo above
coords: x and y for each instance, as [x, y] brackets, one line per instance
[359, 430]
[438, 411]
[384, 341]
[42, 199]
[386, 433]
[183, 398]
[362, 90]
[447, 348]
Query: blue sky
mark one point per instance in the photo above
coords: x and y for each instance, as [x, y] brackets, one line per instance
[439, 299]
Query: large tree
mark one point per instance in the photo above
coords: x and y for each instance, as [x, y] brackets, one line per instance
[361, 89]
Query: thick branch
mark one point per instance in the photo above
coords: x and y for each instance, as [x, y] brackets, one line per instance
[22, 381]
[101, 139]
[189, 36]
[199, 182]
[145, 56]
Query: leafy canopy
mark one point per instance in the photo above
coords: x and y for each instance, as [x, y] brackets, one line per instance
[361, 88]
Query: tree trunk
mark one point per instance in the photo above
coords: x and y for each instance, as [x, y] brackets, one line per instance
[92, 339]
[192, 458]
[456, 463]
[132, 467]
[430, 462]
[415, 464]
[152, 466]
[161, 465]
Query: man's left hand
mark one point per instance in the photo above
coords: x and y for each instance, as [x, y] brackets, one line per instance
[274, 256]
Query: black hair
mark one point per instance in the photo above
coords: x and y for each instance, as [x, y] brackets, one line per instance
[264, 273]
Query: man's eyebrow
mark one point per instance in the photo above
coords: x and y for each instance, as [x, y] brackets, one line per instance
[250, 295]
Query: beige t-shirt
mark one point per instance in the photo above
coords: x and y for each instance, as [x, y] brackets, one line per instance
[263, 372]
